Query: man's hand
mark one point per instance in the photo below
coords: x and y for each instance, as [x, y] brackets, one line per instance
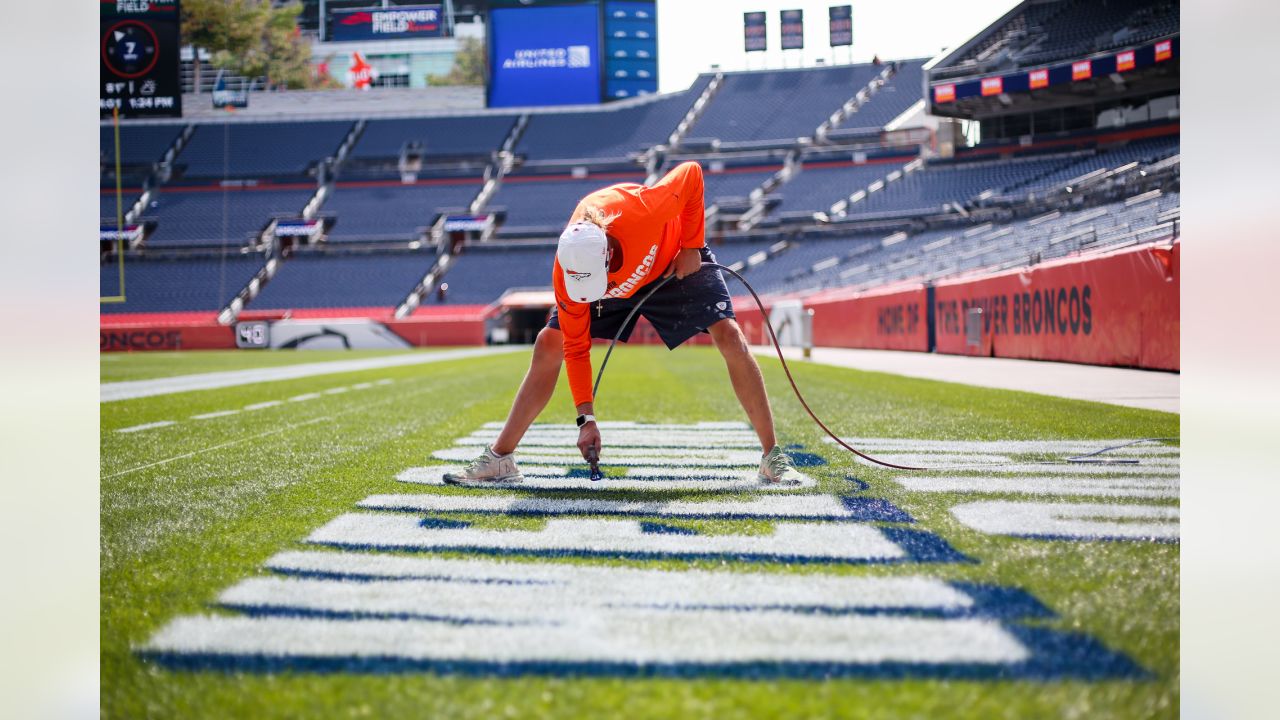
[588, 440]
[687, 262]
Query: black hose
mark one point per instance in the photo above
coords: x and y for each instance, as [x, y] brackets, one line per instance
[1088, 458]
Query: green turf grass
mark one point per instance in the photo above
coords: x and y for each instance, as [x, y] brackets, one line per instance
[190, 509]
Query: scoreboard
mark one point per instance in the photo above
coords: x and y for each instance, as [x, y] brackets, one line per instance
[138, 48]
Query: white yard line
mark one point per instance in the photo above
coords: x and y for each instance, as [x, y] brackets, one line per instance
[147, 426]
[132, 389]
[263, 405]
[211, 415]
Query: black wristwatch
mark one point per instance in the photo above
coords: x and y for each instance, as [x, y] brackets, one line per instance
[584, 419]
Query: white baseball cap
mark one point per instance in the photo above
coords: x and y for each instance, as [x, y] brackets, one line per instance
[583, 256]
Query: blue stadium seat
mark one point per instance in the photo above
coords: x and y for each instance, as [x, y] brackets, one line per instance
[904, 89]
[392, 212]
[315, 280]
[250, 150]
[460, 136]
[174, 285]
[779, 104]
[546, 204]
[735, 182]
[819, 185]
[481, 273]
[613, 133]
[214, 217]
[139, 144]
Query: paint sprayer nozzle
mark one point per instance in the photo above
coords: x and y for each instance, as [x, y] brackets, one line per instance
[594, 459]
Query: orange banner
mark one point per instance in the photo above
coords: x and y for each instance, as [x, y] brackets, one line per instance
[1082, 70]
[1120, 308]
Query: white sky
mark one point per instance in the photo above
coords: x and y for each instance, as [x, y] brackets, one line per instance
[693, 34]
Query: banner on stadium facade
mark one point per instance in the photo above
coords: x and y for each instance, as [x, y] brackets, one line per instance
[302, 228]
[792, 29]
[111, 233]
[1118, 308]
[404, 21]
[841, 21]
[1064, 73]
[754, 31]
[893, 318]
[465, 223]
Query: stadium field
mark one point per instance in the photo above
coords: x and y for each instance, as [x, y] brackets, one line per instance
[283, 549]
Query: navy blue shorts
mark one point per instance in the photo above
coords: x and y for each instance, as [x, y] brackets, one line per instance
[678, 311]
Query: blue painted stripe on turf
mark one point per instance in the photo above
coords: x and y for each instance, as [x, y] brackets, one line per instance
[868, 509]
[653, 528]
[435, 523]
[1055, 656]
[1003, 603]
[858, 485]
[804, 459]
[925, 547]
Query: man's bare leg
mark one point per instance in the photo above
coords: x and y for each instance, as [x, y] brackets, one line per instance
[748, 382]
[535, 392]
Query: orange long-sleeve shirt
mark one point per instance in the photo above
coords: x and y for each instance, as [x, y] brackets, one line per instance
[653, 224]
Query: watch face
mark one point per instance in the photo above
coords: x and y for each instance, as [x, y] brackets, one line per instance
[130, 49]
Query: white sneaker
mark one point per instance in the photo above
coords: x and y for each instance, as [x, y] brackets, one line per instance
[488, 468]
[776, 469]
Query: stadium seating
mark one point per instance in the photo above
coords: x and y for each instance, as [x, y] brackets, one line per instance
[480, 274]
[173, 285]
[607, 133]
[438, 137]
[139, 144]
[738, 251]
[228, 216]
[929, 189]
[869, 261]
[819, 185]
[1142, 151]
[779, 104]
[735, 182]
[545, 204]
[1051, 31]
[392, 212]
[324, 280]
[253, 150]
[904, 89]
[107, 204]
